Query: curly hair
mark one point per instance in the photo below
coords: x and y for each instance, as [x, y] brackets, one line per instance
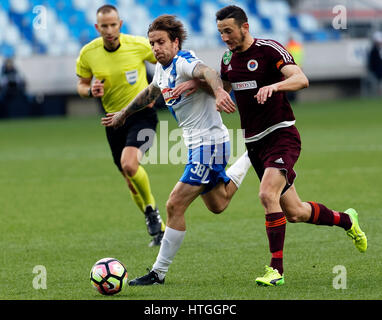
[171, 25]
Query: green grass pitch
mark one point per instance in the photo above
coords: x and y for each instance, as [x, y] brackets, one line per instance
[63, 205]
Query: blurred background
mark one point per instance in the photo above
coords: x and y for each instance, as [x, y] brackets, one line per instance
[337, 43]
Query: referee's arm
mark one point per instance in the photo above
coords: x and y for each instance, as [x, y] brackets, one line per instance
[83, 86]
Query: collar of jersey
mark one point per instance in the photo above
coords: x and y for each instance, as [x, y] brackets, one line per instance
[168, 64]
[114, 50]
[172, 61]
[180, 53]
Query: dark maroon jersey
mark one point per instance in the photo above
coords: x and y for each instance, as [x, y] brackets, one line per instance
[248, 71]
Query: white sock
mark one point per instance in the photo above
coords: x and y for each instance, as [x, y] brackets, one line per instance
[239, 169]
[172, 239]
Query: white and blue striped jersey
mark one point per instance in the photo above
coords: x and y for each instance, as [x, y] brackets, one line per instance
[195, 114]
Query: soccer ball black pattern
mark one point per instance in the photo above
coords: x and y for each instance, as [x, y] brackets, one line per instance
[108, 276]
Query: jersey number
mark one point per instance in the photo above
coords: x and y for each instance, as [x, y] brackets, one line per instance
[199, 170]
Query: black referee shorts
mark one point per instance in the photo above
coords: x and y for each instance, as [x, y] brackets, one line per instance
[138, 131]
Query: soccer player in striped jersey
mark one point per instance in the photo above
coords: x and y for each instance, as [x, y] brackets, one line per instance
[116, 61]
[260, 72]
[204, 133]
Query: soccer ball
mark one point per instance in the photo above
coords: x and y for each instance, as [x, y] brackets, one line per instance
[108, 276]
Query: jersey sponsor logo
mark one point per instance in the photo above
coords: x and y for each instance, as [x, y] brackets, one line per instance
[227, 57]
[245, 85]
[131, 76]
[252, 65]
[169, 98]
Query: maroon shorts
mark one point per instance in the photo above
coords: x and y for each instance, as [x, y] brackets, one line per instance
[279, 149]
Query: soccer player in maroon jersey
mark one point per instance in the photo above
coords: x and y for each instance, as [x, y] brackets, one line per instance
[260, 72]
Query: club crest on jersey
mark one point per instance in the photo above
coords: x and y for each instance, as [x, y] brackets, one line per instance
[252, 65]
[227, 57]
[168, 97]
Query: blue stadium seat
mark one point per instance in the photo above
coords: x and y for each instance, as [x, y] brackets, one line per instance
[16, 17]
[83, 35]
[63, 5]
[23, 49]
[194, 15]
[73, 17]
[39, 48]
[125, 28]
[143, 2]
[26, 26]
[4, 4]
[293, 22]
[252, 6]
[19, 6]
[266, 23]
[52, 3]
[265, 8]
[7, 50]
[156, 10]
[34, 3]
[80, 4]
[315, 36]
[308, 23]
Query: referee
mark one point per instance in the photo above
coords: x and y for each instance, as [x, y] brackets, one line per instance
[117, 63]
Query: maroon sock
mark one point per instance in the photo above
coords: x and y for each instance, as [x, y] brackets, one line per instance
[275, 224]
[321, 215]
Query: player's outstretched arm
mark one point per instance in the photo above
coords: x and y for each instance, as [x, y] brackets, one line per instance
[223, 99]
[191, 86]
[188, 87]
[141, 101]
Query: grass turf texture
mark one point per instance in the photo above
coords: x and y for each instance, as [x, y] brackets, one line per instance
[64, 205]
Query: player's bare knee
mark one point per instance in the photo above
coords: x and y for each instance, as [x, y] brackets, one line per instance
[174, 207]
[170, 207]
[217, 208]
[267, 198]
[129, 168]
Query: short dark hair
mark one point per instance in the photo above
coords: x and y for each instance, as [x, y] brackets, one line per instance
[171, 25]
[106, 9]
[234, 12]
